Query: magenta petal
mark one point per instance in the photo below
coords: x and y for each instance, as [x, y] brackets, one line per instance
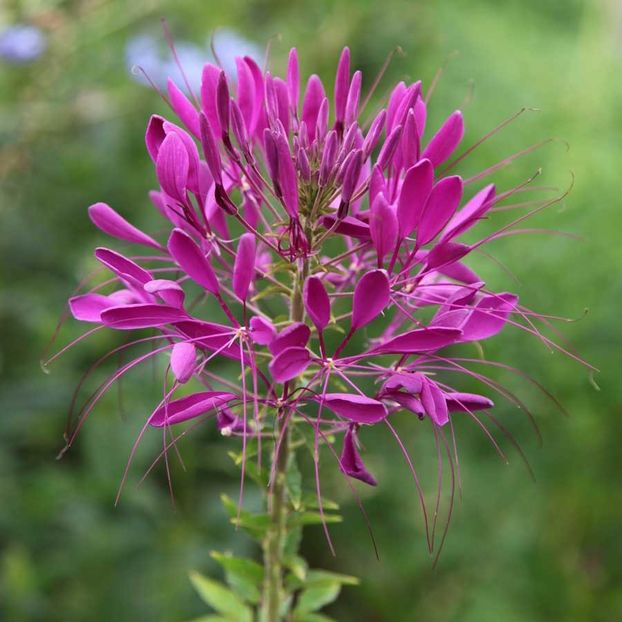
[317, 302]
[296, 334]
[293, 79]
[465, 402]
[445, 253]
[211, 336]
[244, 267]
[433, 401]
[420, 340]
[489, 316]
[349, 225]
[351, 462]
[356, 408]
[141, 316]
[470, 213]
[371, 296]
[110, 222]
[445, 140]
[89, 307]
[192, 260]
[173, 166]
[183, 358]
[413, 196]
[262, 331]
[189, 407]
[154, 135]
[383, 227]
[170, 292]
[439, 208]
[314, 95]
[289, 363]
[287, 175]
[342, 80]
[209, 82]
[183, 108]
[122, 266]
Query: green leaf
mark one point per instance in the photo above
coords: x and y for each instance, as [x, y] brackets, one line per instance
[210, 618]
[255, 524]
[316, 597]
[311, 518]
[251, 469]
[312, 617]
[221, 598]
[320, 576]
[309, 500]
[243, 575]
[293, 481]
[292, 541]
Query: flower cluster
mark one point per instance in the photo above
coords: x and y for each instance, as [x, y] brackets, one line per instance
[328, 257]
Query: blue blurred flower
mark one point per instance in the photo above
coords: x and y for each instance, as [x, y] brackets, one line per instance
[22, 43]
[145, 54]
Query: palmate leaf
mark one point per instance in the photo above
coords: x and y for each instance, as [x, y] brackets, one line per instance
[243, 575]
[221, 598]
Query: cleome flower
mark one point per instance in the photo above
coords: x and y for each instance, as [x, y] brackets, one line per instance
[324, 255]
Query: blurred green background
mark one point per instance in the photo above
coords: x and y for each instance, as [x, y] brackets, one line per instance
[71, 133]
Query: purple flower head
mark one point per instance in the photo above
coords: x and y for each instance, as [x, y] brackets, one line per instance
[322, 254]
[21, 44]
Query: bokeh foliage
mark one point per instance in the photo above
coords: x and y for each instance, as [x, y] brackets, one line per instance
[71, 128]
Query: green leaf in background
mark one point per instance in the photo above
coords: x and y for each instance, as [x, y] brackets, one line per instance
[243, 575]
[313, 617]
[312, 518]
[254, 524]
[293, 481]
[210, 618]
[316, 597]
[221, 599]
[309, 500]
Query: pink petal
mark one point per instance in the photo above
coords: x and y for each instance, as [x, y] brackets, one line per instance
[439, 208]
[317, 302]
[296, 334]
[420, 340]
[342, 80]
[489, 316]
[183, 357]
[172, 166]
[293, 79]
[170, 292]
[110, 222]
[371, 296]
[351, 462]
[89, 307]
[141, 316]
[314, 95]
[262, 331]
[209, 82]
[357, 408]
[244, 267]
[433, 401]
[470, 213]
[445, 140]
[349, 225]
[211, 336]
[154, 135]
[383, 227]
[183, 108]
[465, 402]
[192, 260]
[287, 175]
[289, 363]
[122, 266]
[413, 196]
[189, 407]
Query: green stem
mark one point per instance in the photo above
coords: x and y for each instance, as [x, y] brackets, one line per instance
[274, 541]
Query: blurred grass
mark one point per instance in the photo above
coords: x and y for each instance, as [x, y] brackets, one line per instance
[71, 128]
